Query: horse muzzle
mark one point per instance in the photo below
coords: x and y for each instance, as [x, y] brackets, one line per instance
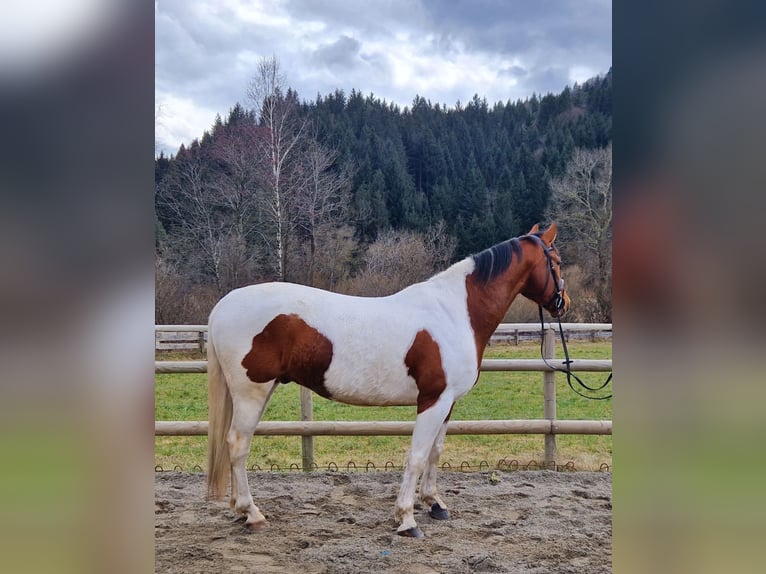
[559, 304]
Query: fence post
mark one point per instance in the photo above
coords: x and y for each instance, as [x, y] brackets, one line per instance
[549, 396]
[307, 442]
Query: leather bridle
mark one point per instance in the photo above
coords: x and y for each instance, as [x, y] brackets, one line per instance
[556, 302]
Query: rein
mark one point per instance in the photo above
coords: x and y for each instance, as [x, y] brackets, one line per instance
[568, 362]
[557, 301]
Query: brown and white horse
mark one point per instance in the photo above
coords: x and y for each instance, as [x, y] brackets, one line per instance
[421, 346]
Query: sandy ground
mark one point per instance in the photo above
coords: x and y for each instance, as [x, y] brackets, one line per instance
[335, 522]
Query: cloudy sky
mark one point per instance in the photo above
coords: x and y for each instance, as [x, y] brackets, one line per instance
[443, 50]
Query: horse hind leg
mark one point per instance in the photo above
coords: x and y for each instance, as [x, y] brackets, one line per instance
[429, 494]
[249, 405]
[428, 426]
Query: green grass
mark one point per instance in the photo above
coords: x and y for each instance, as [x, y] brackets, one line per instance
[498, 395]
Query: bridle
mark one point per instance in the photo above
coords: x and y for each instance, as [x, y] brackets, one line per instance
[557, 301]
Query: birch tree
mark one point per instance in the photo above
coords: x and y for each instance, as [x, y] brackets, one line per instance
[278, 112]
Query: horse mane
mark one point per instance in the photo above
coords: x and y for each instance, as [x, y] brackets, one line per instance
[493, 261]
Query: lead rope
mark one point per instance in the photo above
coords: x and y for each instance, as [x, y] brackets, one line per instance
[568, 362]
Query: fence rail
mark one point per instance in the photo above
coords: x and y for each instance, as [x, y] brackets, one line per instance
[394, 428]
[549, 426]
[194, 337]
[511, 365]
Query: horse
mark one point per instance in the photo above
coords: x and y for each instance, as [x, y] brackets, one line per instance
[421, 346]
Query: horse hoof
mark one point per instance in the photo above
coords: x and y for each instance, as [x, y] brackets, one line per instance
[257, 526]
[438, 513]
[413, 532]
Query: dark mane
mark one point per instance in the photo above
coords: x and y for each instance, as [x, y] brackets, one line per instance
[493, 261]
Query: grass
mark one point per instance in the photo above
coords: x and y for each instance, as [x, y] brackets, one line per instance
[498, 395]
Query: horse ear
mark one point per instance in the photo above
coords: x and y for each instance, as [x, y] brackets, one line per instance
[535, 229]
[549, 235]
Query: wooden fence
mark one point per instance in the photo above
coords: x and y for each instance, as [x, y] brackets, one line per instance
[549, 426]
[194, 337]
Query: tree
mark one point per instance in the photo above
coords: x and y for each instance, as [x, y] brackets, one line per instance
[255, 198]
[400, 258]
[207, 205]
[236, 179]
[194, 223]
[278, 112]
[322, 203]
[581, 202]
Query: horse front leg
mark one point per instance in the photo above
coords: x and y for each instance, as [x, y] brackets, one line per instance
[429, 494]
[428, 425]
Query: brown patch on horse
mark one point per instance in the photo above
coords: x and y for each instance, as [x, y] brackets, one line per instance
[489, 299]
[289, 349]
[424, 364]
[487, 305]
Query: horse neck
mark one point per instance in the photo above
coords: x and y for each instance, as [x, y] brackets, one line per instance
[489, 301]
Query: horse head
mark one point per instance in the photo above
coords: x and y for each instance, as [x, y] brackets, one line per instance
[545, 284]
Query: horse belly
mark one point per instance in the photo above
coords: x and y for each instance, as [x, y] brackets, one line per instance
[377, 379]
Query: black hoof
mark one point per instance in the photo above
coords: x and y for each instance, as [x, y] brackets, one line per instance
[438, 513]
[413, 532]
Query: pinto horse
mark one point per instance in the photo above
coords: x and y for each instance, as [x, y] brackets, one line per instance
[421, 346]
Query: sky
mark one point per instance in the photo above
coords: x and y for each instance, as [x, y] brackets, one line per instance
[206, 51]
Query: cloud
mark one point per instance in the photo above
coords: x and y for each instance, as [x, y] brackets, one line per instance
[522, 27]
[442, 50]
[179, 120]
[342, 53]
[514, 71]
[549, 40]
[370, 20]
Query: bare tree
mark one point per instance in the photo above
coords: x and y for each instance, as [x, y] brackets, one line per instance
[332, 261]
[206, 234]
[581, 202]
[253, 192]
[236, 184]
[168, 291]
[400, 258]
[322, 204]
[278, 112]
[187, 196]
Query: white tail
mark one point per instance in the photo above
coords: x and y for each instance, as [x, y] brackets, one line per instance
[219, 417]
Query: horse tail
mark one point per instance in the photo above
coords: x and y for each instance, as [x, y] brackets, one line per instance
[219, 421]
